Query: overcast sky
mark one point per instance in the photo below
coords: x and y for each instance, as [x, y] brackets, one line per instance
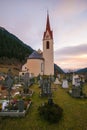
[68, 19]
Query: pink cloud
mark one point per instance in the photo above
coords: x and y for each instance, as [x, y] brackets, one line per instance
[68, 8]
[72, 63]
[72, 57]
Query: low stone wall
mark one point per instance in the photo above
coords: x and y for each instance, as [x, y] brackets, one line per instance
[13, 113]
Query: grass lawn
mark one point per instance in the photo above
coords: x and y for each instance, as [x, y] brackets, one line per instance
[74, 113]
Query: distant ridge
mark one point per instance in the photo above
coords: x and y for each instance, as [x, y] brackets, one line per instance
[12, 47]
[58, 70]
[83, 71]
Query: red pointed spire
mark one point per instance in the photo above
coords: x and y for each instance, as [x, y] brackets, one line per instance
[48, 28]
[48, 22]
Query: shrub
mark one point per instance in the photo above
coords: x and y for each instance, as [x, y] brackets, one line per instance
[51, 112]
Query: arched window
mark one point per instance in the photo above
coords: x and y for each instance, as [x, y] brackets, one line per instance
[47, 45]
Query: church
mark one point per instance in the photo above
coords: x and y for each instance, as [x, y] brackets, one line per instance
[42, 62]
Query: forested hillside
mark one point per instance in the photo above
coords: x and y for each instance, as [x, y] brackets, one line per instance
[11, 47]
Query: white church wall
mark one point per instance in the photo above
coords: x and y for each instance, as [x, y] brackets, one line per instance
[34, 66]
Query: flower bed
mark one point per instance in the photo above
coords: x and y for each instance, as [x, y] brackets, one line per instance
[16, 106]
[15, 113]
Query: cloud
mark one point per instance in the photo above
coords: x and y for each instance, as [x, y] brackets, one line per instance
[71, 23]
[72, 51]
[72, 63]
[68, 8]
[72, 57]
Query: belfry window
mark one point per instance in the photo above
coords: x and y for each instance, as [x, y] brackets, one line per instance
[47, 45]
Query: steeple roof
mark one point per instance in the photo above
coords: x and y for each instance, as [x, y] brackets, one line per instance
[48, 28]
[48, 23]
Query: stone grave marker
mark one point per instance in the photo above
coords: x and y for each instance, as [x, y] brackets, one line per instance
[9, 84]
[57, 81]
[26, 82]
[21, 105]
[46, 88]
[76, 91]
[65, 83]
[26, 79]
[40, 82]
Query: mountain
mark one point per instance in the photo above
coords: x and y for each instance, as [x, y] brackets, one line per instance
[58, 70]
[11, 47]
[82, 71]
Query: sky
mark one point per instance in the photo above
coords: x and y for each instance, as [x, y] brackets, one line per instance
[68, 19]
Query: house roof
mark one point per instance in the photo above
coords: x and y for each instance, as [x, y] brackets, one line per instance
[35, 55]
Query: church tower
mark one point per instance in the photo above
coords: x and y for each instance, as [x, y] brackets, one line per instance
[48, 50]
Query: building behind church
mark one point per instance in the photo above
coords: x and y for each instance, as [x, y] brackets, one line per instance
[42, 62]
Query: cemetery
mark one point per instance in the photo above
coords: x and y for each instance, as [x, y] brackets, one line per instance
[22, 95]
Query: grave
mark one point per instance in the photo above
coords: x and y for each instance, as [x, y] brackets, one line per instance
[51, 78]
[40, 82]
[65, 83]
[21, 105]
[46, 88]
[9, 83]
[26, 82]
[77, 91]
[76, 80]
[20, 112]
[57, 81]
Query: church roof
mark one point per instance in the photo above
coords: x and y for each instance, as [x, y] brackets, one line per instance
[48, 28]
[36, 55]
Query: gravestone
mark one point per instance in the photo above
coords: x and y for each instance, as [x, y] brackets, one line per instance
[76, 92]
[57, 81]
[65, 83]
[32, 80]
[40, 82]
[51, 78]
[76, 80]
[26, 82]
[21, 105]
[77, 86]
[46, 88]
[26, 79]
[9, 84]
